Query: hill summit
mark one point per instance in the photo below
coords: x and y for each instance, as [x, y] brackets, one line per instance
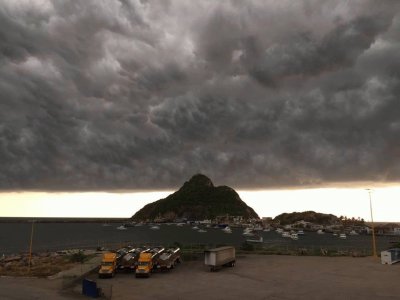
[197, 199]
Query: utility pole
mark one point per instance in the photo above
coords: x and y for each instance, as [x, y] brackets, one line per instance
[372, 225]
[30, 248]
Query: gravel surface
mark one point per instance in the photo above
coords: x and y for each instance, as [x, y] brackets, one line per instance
[253, 277]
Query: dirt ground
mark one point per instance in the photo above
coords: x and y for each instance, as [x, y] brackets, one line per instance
[253, 277]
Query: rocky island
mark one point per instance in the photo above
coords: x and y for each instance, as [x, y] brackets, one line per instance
[197, 199]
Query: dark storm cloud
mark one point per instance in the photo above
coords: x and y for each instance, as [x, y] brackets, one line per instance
[143, 94]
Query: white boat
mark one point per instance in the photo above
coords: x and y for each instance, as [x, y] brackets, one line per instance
[286, 234]
[294, 236]
[122, 227]
[267, 229]
[279, 230]
[227, 229]
[353, 232]
[342, 236]
[320, 231]
[259, 239]
[195, 228]
[155, 227]
[180, 224]
[300, 232]
[202, 230]
[248, 232]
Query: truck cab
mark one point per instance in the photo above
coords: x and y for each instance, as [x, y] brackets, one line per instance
[108, 265]
[145, 264]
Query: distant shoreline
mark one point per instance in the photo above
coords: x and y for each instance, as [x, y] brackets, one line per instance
[62, 220]
[101, 220]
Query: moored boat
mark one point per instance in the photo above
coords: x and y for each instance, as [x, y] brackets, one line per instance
[255, 239]
[227, 229]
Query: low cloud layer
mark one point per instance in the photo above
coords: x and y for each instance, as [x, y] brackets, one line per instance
[100, 95]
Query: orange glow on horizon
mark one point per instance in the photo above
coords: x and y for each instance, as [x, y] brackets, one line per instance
[350, 202]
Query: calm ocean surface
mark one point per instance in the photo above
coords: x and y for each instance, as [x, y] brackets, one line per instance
[15, 237]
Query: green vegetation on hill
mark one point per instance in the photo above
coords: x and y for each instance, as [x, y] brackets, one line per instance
[197, 199]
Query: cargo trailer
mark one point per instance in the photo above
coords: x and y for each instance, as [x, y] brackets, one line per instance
[390, 256]
[220, 257]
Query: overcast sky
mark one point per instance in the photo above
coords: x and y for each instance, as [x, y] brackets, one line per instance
[102, 95]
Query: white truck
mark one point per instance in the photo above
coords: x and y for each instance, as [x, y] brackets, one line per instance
[219, 257]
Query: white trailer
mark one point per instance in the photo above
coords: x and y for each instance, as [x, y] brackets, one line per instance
[390, 256]
[219, 257]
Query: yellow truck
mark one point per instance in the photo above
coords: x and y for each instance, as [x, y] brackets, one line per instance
[145, 265]
[108, 265]
[148, 261]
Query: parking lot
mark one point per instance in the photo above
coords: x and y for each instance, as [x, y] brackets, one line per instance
[264, 277]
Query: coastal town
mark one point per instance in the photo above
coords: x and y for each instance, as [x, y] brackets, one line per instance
[332, 225]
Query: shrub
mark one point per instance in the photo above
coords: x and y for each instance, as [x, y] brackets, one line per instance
[78, 257]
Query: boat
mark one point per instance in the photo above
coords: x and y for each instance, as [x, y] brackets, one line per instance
[320, 231]
[202, 230]
[342, 236]
[257, 239]
[279, 230]
[248, 232]
[227, 229]
[286, 234]
[300, 232]
[294, 236]
[258, 228]
[267, 229]
[155, 227]
[122, 227]
[195, 227]
[353, 232]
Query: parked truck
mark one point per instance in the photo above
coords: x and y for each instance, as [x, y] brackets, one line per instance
[148, 261]
[219, 257]
[130, 260]
[169, 259]
[108, 265]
